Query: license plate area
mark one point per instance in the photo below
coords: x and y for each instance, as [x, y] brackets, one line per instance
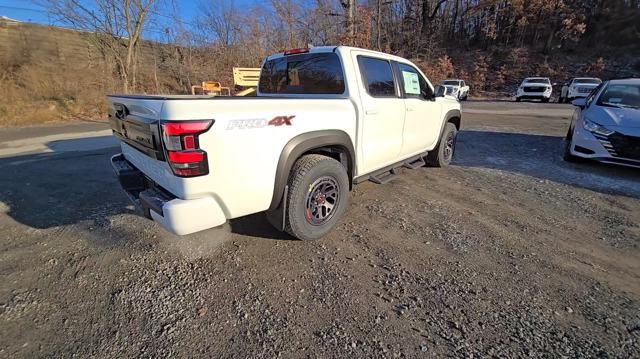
[145, 194]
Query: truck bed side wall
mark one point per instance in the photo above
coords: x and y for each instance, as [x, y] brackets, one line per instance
[240, 145]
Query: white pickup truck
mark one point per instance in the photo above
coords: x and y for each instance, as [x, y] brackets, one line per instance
[456, 88]
[324, 119]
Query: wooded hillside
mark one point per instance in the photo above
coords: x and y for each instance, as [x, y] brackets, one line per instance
[48, 73]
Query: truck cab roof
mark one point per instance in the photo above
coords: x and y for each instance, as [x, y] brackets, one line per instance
[342, 49]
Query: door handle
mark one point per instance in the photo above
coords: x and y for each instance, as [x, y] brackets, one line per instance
[371, 112]
[409, 109]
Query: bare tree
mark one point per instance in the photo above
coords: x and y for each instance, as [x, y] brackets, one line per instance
[286, 10]
[114, 26]
[349, 7]
[223, 18]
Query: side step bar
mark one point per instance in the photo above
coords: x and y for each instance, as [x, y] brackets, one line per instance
[387, 174]
[415, 164]
[384, 177]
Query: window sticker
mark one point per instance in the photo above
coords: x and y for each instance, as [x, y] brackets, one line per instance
[411, 83]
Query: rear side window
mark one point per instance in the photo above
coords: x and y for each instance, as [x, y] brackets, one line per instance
[377, 77]
[303, 74]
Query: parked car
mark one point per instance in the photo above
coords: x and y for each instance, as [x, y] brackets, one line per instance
[456, 88]
[323, 120]
[606, 125]
[578, 87]
[534, 88]
[442, 91]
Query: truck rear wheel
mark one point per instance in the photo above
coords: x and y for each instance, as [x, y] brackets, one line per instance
[318, 196]
[442, 155]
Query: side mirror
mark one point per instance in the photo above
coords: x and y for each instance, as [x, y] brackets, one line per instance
[440, 91]
[554, 84]
[579, 102]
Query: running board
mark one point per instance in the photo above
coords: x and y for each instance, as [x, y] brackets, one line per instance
[415, 164]
[386, 174]
[384, 177]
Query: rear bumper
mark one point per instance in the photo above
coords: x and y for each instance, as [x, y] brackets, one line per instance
[176, 215]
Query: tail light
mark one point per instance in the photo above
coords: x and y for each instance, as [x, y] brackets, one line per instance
[184, 155]
[296, 51]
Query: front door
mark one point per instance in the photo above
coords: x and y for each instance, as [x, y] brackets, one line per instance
[423, 117]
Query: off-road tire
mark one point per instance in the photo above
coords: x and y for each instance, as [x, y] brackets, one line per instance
[518, 99]
[439, 157]
[305, 172]
[545, 100]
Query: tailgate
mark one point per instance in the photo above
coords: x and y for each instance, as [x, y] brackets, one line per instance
[136, 125]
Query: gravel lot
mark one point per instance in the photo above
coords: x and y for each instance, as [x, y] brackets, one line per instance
[510, 252]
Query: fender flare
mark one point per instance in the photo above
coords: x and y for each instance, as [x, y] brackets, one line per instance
[455, 113]
[302, 144]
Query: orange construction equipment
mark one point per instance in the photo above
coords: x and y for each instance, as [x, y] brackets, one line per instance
[212, 88]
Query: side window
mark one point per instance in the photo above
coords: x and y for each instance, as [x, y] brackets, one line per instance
[413, 83]
[463, 84]
[377, 77]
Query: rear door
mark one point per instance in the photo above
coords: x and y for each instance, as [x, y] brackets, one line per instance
[382, 113]
[423, 119]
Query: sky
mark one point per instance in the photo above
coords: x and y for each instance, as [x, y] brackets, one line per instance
[26, 11]
[32, 11]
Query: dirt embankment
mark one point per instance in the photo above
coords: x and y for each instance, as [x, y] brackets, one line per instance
[50, 74]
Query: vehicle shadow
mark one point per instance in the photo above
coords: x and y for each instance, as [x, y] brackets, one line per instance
[257, 225]
[540, 156]
[75, 183]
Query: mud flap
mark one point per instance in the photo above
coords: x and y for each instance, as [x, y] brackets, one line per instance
[277, 217]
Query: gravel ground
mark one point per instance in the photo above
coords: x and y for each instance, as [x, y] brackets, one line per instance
[510, 252]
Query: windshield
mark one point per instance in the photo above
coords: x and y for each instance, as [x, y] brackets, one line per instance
[451, 82]
[622, 96]
[536, 81]
[587, 81]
